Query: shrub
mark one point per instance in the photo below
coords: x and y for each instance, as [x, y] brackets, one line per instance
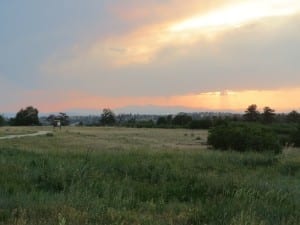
[295, 137]
[285, 132]
[200, 124]
[145, 124]
[244, 137]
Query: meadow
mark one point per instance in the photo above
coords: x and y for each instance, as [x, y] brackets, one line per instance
[102, 175]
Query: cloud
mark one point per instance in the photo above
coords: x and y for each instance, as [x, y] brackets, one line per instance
[140, 45]
[51, 100]
[260, 55]
[154, 52]
[155, 11]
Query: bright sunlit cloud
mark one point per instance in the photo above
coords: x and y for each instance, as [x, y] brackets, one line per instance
[143, 45]
[239, 14]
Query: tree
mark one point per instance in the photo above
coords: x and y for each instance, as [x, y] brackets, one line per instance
[26, 117]
[164, 121]
[2, 120]
[107, 117]
[62, 117]
[295, 137]
[201, 124]
[268, 116]
[182, 119]
[251, 113]
[293, 117]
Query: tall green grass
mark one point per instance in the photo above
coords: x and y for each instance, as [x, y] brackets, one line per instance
[148, 187]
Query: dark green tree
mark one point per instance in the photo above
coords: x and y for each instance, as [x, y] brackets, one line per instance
[27, 117]
[251, 113]
[295, 137]
[162, 120]
[268, 115]
[201, 124]
[293, 117]
[2, 120]
[182, 119]
[169, 118]
[108, 117]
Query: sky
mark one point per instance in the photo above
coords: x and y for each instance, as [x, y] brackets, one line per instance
[217, 55]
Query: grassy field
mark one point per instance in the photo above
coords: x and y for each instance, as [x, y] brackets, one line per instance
[142, 176]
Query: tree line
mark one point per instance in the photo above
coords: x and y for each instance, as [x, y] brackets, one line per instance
[251, 130]
[251, 114]
[29, 117]
[268, 115]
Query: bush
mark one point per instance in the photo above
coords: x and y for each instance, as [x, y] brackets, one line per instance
[285, 132]
[145, 124]
[200, 124]
[295, 137]
[244, 137]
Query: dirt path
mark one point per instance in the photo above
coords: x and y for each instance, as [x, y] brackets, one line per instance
[25, 135]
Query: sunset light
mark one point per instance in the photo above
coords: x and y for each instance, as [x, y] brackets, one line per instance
[149, 112]
[237, 15]
[212, 55]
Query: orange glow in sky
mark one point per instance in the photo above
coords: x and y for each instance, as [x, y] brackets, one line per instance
[280, 100]
[161, 53]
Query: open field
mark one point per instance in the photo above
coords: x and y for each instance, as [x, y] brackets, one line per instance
[116, 176]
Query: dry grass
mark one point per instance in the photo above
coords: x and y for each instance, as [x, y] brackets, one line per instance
[5, 131]
[107, 139]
